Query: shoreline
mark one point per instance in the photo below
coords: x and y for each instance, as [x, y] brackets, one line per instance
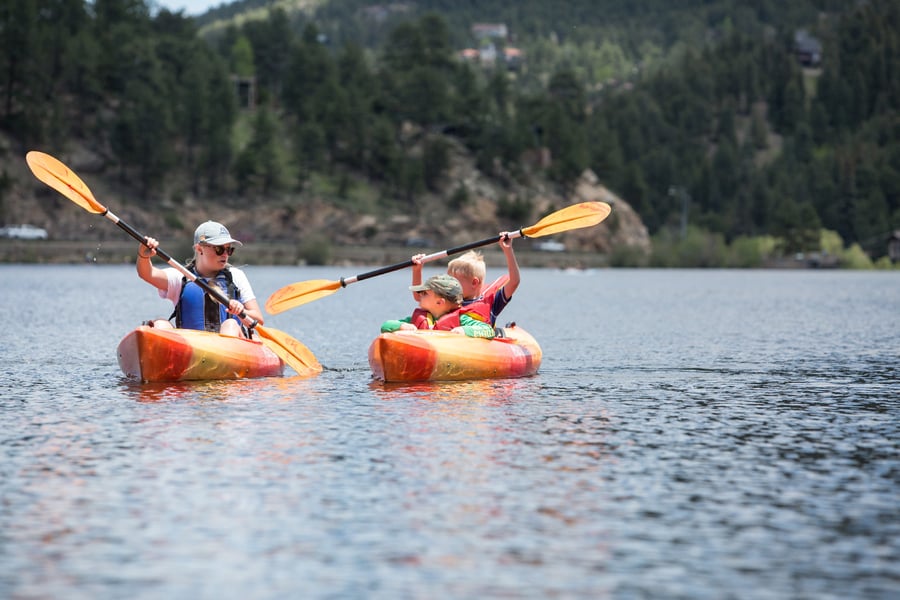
[112, 252]
[273, 254]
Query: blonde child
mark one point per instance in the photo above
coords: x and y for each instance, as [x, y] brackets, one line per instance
[470, 270]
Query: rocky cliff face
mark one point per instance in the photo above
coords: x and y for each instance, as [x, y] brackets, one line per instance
[437, 220]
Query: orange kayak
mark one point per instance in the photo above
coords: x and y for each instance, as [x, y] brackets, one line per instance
[425, 355]
[155, 354]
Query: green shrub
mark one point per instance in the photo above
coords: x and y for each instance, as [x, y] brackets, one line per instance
[460, 196]
[517, 210]
[628, 257]
[855, 257]
[315, 250]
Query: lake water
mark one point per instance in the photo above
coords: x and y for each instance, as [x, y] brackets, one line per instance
[691, 434]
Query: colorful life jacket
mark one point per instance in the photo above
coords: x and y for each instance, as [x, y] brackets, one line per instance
[197, 310]
[423, 319]
[492, 298]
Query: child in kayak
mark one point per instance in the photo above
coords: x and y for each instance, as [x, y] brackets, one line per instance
[470, 270]
[440, 301]
[194, 309]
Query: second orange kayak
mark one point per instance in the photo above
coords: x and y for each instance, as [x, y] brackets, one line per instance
[425, 355]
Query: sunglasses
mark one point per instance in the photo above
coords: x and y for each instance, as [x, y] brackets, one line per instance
[220, 250]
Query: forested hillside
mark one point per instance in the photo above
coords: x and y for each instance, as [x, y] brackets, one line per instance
[704, 116]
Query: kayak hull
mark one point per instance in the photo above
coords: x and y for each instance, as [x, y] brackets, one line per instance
[156, 354]
[425, 355]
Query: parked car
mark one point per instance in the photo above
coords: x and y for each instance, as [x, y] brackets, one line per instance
[23, 232]
[550, 246]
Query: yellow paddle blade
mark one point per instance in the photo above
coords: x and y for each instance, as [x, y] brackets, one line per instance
[291, 351]
[296, 294]
[60, 178]
[577, 216]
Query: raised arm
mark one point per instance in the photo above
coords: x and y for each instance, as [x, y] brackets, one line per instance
[145, 269]
[511, 264]
[417, 271]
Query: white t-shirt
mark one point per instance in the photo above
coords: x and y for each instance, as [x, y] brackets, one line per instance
[173, 291]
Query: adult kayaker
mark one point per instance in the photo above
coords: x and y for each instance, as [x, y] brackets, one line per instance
[194, 309]
[469, 269]
[440, 299]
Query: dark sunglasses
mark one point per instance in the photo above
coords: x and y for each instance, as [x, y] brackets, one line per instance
[220, 250]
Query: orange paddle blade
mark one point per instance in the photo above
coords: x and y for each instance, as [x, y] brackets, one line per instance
[60, 178]
[577, 216]
[296, 294]
[290, 350]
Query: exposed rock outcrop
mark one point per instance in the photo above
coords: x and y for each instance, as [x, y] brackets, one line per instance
[464, 209]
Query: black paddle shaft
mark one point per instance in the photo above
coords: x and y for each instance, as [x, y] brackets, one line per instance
[409, 263]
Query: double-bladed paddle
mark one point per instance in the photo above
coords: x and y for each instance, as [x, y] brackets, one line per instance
[576, 216]
[58, 176]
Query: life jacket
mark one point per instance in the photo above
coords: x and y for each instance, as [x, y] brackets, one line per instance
[492, 298]
[423, 319]
[490, 305]
[198, 310]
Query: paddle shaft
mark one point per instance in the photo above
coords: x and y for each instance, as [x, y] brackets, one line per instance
[575, 216]
[215, 292]
[345, 281]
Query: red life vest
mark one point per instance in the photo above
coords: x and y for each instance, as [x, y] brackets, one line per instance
[423, 319]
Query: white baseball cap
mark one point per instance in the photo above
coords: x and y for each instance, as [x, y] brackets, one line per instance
[214, 234]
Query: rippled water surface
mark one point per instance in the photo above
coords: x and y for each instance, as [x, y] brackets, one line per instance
[691, 434]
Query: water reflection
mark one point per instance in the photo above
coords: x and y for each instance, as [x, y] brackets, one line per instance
[461, 451]
[489, 391]
[269, 388]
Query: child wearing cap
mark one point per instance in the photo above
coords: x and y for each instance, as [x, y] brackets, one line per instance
[194, 309]
[440, 299]
[469, 269]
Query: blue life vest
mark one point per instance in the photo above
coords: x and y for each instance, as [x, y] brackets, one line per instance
[197, 310]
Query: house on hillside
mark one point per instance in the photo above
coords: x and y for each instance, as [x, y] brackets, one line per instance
[244, 91]
[488, 56]
[490, 31]
[492, 50]
[513, 58]
[807, 49]
[380, 12]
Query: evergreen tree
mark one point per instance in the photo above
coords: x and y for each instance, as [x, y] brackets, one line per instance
[259, 167]
[18, 40]
[144, 125]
